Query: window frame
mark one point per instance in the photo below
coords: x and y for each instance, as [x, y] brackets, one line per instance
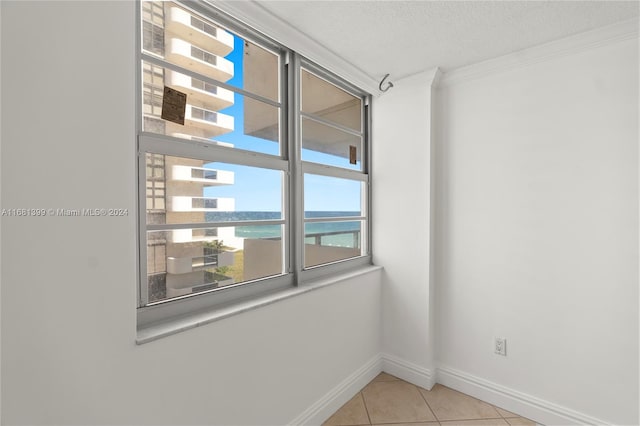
[288, 161]
[306, 167]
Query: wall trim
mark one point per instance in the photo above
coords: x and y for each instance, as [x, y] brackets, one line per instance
[525, 405]
[322, 409]
[603, 36]
[408, 371]
[258, 17]
[428, 76]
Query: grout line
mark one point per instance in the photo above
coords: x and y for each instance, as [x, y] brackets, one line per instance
[475, 418]
[515, 416]
[438, 421]
[405, 423]
[501, 417]
[496, 408]
[445, 422]
[428, 406]
[364, 401]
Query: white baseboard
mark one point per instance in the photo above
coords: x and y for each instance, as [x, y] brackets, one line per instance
[341, 394]
[531, 407]
[322, 409]
[407, 371]
[525, 405]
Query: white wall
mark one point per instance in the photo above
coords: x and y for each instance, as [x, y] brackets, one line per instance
[537, 219]
[0, 229]
[69, 283]
[401, 221]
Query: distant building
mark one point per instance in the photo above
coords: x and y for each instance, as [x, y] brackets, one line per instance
[182, 261]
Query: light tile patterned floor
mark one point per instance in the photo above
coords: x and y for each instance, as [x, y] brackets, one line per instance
[390, 401]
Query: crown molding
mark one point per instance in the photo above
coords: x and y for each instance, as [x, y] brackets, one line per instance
[603, 36]
[429, 76]
[251, 13]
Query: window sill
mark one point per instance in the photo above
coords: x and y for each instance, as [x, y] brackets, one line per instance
[176, 325]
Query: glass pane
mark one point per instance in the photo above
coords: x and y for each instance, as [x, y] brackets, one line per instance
[262, 250]
[213, 114]
[327, 145]
[153, 27]
[186, 261]
[259, 70]
[326, 242]
[257, 126]
[328, 197]
[324, 99]
[186, 190]
[196, 43]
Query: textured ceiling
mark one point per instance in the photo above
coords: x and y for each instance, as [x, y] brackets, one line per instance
[405, 37]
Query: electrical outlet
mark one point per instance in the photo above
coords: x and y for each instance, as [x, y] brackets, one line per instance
[500, 346]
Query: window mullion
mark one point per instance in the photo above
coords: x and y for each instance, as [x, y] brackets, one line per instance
[143, 295]
[330, 123]
[226, 224]
[296, 209]
[367, 168]
[177, 68]
[285, 145]
[168, 145]
[324, 170]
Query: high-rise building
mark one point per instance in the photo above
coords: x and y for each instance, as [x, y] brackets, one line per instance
[182, 261]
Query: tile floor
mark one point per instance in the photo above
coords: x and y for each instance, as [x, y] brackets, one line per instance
[390, 401]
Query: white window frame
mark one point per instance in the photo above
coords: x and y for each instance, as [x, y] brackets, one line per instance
[289, 162]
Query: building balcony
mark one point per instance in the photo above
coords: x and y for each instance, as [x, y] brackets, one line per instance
[178, 236]
[211, 123]
[198, 60]
[201, 204]
[186, 265]
[204, 35]
[194, 235]
[207, 177]
[210, 96]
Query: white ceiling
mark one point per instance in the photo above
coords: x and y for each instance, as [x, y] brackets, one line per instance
[405, 37]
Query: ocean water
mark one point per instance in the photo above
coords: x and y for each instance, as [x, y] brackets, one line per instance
[338, 234]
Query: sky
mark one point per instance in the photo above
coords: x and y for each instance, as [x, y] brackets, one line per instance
[258, 189]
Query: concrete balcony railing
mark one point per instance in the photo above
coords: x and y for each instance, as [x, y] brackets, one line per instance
[263, 256]
[317, 238]
[187, 26]
[196, 59]
[210, 96]
[200, 204]
[208, 177]
[193, 282]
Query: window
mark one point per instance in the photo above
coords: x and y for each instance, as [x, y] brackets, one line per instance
[263, 185]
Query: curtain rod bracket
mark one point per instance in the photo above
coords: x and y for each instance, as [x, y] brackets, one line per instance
[389, 84]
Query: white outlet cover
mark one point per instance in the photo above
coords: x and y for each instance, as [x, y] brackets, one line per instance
[500, 346]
